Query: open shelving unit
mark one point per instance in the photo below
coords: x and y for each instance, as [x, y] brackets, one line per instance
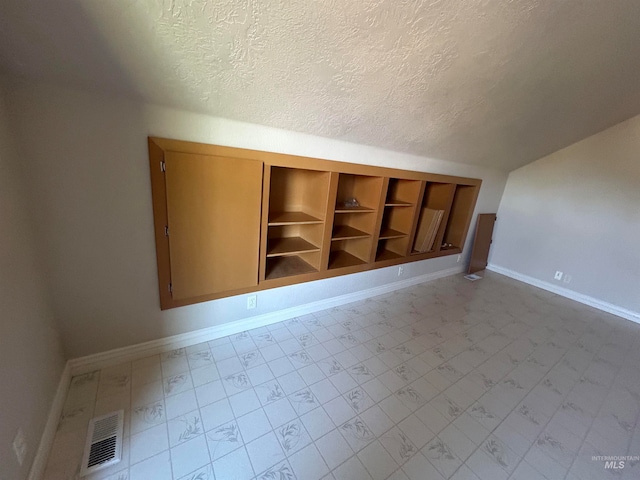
[397, 225]
[354, 226]
[295, 221]
[243, 220]
[464, 199]
[437, 196]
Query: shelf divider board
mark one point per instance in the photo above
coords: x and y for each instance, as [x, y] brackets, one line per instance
[354, 210]
[292, 218]
[439, 196]
[277, 247]
[382, 197]
[445, 220]
[325, 248]
[345, 232]
[264, 224]
[461, 213]
[388, 233]
[416, 217]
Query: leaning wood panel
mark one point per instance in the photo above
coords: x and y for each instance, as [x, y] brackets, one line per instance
[482, 242]
[329, 221]
[213, 206]
[460, 216]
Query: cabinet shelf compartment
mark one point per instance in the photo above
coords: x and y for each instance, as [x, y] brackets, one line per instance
[396, 225]
[391, 249]
[358, 224]
[365, 189]
[345, 232]
[279, 267]
[347, 253]
[459, 217]
[437, 196]
[388, 233]
[402, 193]
[397, 219]
[289, 240]
[383, 255]
[341, 258]
[354, 210]
[297, 196]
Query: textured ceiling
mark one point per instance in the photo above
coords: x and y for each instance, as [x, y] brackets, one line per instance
[497, 83]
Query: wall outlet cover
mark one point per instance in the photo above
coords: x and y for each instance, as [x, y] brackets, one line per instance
[558, 275]
[252, 302]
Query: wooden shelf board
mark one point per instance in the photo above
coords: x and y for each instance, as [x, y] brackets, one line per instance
[292, 218]
[388, 233]
[289, 246]
[340, 258]
[415, 252]
[354, 210]
[386, 255]
[345, 232]
[279, 267]
[399, 204]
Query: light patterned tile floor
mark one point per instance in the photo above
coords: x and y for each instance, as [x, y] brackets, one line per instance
[451, 379]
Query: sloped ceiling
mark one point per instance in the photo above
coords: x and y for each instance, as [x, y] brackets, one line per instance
[495, 83]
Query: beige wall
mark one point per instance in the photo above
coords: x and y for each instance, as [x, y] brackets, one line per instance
[578, 211]
[31, 359]
[86, 156]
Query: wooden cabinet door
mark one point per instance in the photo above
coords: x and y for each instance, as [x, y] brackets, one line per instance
[213, 213]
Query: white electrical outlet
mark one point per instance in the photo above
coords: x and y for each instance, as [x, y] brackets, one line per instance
[20, 446]
[459, 258]
[400, 270]
[558, 275]
[567, 278]
[252, 302]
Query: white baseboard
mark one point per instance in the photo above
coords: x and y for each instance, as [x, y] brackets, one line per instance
[133, 352]
[565, 292]
[46, 440]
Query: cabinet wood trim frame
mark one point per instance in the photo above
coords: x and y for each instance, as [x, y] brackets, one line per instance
[158, 147]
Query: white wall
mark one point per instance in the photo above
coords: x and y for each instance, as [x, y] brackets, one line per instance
[578, 211]
[87, 158]
[31, 358]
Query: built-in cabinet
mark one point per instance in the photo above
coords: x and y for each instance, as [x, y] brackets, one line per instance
[230, 221]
